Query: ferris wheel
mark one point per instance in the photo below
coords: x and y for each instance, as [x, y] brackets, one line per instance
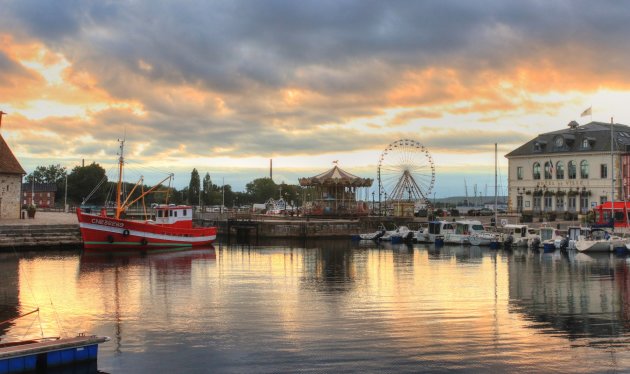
[406, 172]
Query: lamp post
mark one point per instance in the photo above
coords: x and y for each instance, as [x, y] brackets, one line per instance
[385, 204]
[65, 196]
[372, 202]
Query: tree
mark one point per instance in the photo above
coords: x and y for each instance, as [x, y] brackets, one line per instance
[262, 189]
[207, 190]
[53, 174]
[194, 187]
[82, 180]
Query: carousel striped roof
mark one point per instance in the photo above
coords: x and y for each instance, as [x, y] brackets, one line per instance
[336, 176]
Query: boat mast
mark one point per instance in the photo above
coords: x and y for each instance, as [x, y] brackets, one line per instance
[612, 174]
[496, 199]
[120, 171]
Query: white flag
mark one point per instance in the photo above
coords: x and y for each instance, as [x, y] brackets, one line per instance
[587, 112]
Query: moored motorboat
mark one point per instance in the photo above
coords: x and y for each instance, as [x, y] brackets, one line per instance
[599, 240]
[375, 235]
[514, 235]
[469, 232]
[398, 235]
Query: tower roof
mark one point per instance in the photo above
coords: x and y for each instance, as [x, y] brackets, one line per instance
[8, 163]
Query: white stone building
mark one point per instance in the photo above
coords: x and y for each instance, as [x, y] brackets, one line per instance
[11, 174]
[570, 170]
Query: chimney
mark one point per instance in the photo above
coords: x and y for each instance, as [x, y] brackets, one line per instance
[1, 114]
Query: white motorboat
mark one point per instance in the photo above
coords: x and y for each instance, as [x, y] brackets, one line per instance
[464, 230]
[544, 237]
[599, 240]
[400, 234]
[439, 230]
[373, 235]
[515, 235]
[483, 238]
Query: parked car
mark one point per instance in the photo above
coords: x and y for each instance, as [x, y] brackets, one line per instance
[486, 212]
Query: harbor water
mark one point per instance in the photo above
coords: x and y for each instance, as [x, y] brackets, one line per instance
[329, 306]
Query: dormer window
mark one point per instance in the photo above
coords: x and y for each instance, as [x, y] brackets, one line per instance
[587, 143]
[539, 145]
[559, 142]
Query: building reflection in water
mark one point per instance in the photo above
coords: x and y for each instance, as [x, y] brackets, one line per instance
[576, 294]
[9, 291]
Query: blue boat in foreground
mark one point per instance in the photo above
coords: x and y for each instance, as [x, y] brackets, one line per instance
[39, 355]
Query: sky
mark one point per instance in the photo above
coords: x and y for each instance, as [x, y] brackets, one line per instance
[225, 86]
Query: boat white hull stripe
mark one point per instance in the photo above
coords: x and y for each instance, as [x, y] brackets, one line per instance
[149, 235]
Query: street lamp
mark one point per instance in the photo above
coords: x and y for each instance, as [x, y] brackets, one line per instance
[65, 195]
[372, 202]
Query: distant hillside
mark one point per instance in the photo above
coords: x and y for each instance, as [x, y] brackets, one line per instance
[459, 200]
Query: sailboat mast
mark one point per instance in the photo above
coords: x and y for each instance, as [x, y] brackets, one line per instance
[119, 185]
[612, 174]
[496, 199]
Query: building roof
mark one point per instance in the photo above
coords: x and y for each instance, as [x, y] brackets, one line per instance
[336, 176]
[39, 187]
[592, 137]
[8, 163]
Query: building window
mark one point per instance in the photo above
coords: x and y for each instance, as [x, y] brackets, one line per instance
[571, 203]
[519, 173]
[536, 171]
[48, 194]
[585, 144]
[603, 171]
[548, 202]
[519, 203]
[24, 201]
[603, 199]
[559, 170]
[559, 202]
[548, 170]
[584, 204]
[536, 203]
[584, 169]
[572, 170]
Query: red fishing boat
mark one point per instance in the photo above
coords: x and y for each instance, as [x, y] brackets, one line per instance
[170, 225]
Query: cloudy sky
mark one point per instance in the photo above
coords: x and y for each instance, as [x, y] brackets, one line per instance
[224, 86]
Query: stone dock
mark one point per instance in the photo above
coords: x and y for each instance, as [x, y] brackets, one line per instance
[46, 230]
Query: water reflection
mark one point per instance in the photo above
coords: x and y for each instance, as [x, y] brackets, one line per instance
[575, 294]
[338, 306]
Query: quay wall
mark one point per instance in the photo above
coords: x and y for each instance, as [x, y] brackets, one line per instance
[40, 236]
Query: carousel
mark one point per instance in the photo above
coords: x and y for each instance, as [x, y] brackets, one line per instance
[334, 194]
